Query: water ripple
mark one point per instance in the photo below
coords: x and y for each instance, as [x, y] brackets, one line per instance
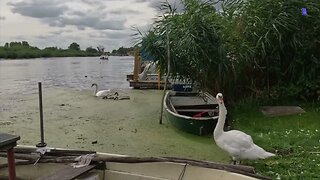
[78, 73]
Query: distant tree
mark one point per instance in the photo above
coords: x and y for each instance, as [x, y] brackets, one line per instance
[13, 44]
[51, 48]
[6, 45]
[91, 50]
[122, 51]
[25, 43]
[74, 46]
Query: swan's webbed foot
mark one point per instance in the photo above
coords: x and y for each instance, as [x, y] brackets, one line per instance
[116, 94]
[235, 162]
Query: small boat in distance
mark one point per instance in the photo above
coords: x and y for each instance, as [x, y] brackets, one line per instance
[104, 57]
[191, 112]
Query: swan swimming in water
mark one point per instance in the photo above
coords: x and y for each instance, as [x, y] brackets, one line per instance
[101, 93]
[237, 144]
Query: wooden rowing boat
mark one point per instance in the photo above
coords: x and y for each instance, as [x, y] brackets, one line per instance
[55, 164]
[195, 113]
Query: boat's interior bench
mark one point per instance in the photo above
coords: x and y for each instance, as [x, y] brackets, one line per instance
[204, 110]
[198, 110]
[67, 173]
[200, 106]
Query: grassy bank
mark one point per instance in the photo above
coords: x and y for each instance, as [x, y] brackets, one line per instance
[294, 138]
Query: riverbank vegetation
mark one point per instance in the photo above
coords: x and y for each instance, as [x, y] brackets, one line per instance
[122, 51]
[294, 139]
[264, 49]
[256, 52]
[22, 50]
[19, 50]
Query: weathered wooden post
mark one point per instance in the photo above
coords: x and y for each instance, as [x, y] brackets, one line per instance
[42, 143]
[136, 66]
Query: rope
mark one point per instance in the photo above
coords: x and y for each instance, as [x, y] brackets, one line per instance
[183, 172]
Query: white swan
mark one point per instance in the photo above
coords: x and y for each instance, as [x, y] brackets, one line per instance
[101, 93]
[238, 144]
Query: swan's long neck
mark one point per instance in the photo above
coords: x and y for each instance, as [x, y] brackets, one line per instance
[221, 120]
[96, 90]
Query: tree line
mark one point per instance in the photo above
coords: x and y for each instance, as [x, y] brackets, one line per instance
[261, 49]
[19, 50]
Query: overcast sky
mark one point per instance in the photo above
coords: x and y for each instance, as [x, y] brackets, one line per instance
[45, 23]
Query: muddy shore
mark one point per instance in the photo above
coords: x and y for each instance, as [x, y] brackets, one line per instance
[77, 120]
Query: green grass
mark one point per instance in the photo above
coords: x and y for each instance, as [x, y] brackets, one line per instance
[295, 139]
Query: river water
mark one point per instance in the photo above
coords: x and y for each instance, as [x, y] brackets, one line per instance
[73, 118]
[22, 76]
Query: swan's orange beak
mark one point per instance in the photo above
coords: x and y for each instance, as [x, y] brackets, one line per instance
[220, 101]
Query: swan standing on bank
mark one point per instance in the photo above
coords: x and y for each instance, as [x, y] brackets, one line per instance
[101, 93]
[238, 144]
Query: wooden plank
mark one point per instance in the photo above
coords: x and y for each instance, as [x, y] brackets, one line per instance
[273, 111]
[198, 110]
[67, 173]
[146, 84]
[200, 106]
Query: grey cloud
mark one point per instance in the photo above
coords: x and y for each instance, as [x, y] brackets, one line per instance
[124, 11]
[118, 35]
[57, 14]
[20, 38]
[38, 9]
[2, 18]
[156, 4]
[59, 32]
[112, 35]
[141, 1]
[92, 22]
[43, 37]
[78, 13]
[97, 2]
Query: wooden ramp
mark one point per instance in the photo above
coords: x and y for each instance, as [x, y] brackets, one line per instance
[67, 173]
[272, 111]
[147, 84]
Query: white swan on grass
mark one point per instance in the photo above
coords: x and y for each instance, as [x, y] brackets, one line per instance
[102, 93]
[236, 143]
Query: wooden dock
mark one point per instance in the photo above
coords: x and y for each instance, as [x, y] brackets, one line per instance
[148, 84]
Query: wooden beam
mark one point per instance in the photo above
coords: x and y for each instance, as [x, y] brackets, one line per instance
[136, 66]
[67, 173]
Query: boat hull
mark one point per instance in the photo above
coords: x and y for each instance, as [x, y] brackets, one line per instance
[120, 167]
[188, 121]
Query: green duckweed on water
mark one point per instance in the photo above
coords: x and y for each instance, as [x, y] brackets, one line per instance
[75, 119]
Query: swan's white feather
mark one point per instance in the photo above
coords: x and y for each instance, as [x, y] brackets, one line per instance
[103, 93]
[238, 144]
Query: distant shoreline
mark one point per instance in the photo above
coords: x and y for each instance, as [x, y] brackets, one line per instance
[22, 50]
[4, 59]
[18, 55]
